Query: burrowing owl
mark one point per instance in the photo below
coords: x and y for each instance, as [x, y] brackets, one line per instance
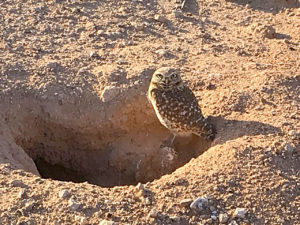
[176, 105]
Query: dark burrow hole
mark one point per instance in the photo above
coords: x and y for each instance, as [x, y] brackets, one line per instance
[65, 154]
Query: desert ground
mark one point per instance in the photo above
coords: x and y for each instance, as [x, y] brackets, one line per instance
[81, 144]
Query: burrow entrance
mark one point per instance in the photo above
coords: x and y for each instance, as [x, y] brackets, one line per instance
[66, 154]
[103, 144]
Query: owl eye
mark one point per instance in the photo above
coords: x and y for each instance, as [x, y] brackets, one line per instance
[159, 76]
[174, 76]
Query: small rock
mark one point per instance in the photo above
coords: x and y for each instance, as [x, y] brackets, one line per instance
[211, 87]
[162, 52]
[147, 201]
[22, 194]
[199, 204]
[269, 32]
[175, 218]
[264, 30]
[109, 93]
[289, 148]
[106, 222]
[140, 186]
[214, 212]
[233, 222]
[138, 26]
[240, 213]
[28, 206]
[120, 61]
[177, 13]
[64, 193]
[100, 32]
[18, 183]
[212, 208]
[186, 202]
[72, 204]
[293, 133]
[223, 218]
[153, 213]
[81, 220]
[214, 217]
[160, 18]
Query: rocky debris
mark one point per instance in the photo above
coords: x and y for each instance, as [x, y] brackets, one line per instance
[18, 183]
[175, 218]
[22, 194]
[107, 222]
[233, 222]
[293, 133]
[177, 13]
[266, 31]
[81, 220]
[213, 217]
[140, 186]
[162, 52]
[223, 217]
[64, 194]
[186, 202]
[288, 147]
[73, 204]
[199, 204]
[160, 18]
[153, 213]
[240, 213]
[109, 93]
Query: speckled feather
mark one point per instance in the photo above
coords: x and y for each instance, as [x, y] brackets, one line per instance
[178, 110]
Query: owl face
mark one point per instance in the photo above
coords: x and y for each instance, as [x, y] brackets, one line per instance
[166, 78]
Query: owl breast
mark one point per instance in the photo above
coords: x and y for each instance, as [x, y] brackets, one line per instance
[177, 109]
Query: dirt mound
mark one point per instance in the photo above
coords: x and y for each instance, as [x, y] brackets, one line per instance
[77, 133]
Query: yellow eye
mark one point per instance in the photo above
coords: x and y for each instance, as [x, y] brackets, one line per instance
[174, 76]
[159, 76]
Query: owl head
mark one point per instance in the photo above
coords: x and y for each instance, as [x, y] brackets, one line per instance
[166, 78]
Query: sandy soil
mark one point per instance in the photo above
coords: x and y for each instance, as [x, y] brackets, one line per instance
[77, 134]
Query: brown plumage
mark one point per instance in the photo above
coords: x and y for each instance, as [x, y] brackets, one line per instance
[176, 105]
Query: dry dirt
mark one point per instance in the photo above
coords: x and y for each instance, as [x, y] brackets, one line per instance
[77, 133]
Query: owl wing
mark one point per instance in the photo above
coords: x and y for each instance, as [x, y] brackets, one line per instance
[195, 120]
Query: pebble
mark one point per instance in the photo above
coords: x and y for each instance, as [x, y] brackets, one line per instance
[175, 218]
[212, 208]
[72, 204]
[18, 183]
[177, 13]
[199, 204]
[160, 18]
[109, 93]
[81, 220]
[293, 133]
[186, 202]
[140, 186]
[268, 32]
[107, 222]
[233, 222]
[162, 52]
[223, 218]
[64, 193]
[147, 201]
[214, 217]
[240, 213]
[153, 213]
[22, 194]
[92, 54]
[288, 147]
